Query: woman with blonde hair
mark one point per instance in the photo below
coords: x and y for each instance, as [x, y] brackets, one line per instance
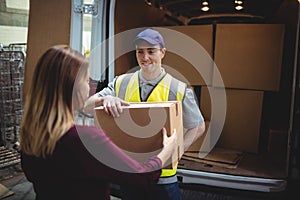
[68, 161]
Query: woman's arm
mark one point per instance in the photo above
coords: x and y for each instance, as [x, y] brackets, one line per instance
[104, 159]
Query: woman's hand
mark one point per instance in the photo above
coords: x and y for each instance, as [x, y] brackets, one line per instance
[169, 146]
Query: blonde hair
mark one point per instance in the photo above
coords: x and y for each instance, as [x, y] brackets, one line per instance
[48, 108]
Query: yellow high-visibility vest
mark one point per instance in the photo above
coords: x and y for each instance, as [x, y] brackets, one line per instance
[168, 89]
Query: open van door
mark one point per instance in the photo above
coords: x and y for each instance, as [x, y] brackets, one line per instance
[91, 26]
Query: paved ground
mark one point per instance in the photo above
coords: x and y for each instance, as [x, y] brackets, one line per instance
[14, 180]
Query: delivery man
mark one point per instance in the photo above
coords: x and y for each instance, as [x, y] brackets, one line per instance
[151, 83]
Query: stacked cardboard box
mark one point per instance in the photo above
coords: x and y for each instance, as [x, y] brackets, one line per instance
[192, 62]
[249, 56]
[247, 62]
[243, 118]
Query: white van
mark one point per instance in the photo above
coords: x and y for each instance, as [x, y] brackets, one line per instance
[243, 64]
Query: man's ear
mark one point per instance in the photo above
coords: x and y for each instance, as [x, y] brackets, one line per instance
[163, 52]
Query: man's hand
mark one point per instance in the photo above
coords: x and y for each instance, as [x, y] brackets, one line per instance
[113, 105]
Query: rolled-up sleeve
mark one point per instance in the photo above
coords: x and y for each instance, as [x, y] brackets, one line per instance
[109, 90]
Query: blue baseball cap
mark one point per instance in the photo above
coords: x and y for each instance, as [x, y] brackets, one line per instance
[151, 36]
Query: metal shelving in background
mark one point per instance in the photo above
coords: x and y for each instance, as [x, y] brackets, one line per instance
[12, 62]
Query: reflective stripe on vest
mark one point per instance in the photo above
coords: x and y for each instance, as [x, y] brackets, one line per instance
[168, 89]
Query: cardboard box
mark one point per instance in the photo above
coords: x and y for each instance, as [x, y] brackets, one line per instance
[243, 118]
[189, 53]
[249, 56]
[218, 156]
[138, 129]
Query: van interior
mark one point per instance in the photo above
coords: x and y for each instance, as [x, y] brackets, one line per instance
[254, 51]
